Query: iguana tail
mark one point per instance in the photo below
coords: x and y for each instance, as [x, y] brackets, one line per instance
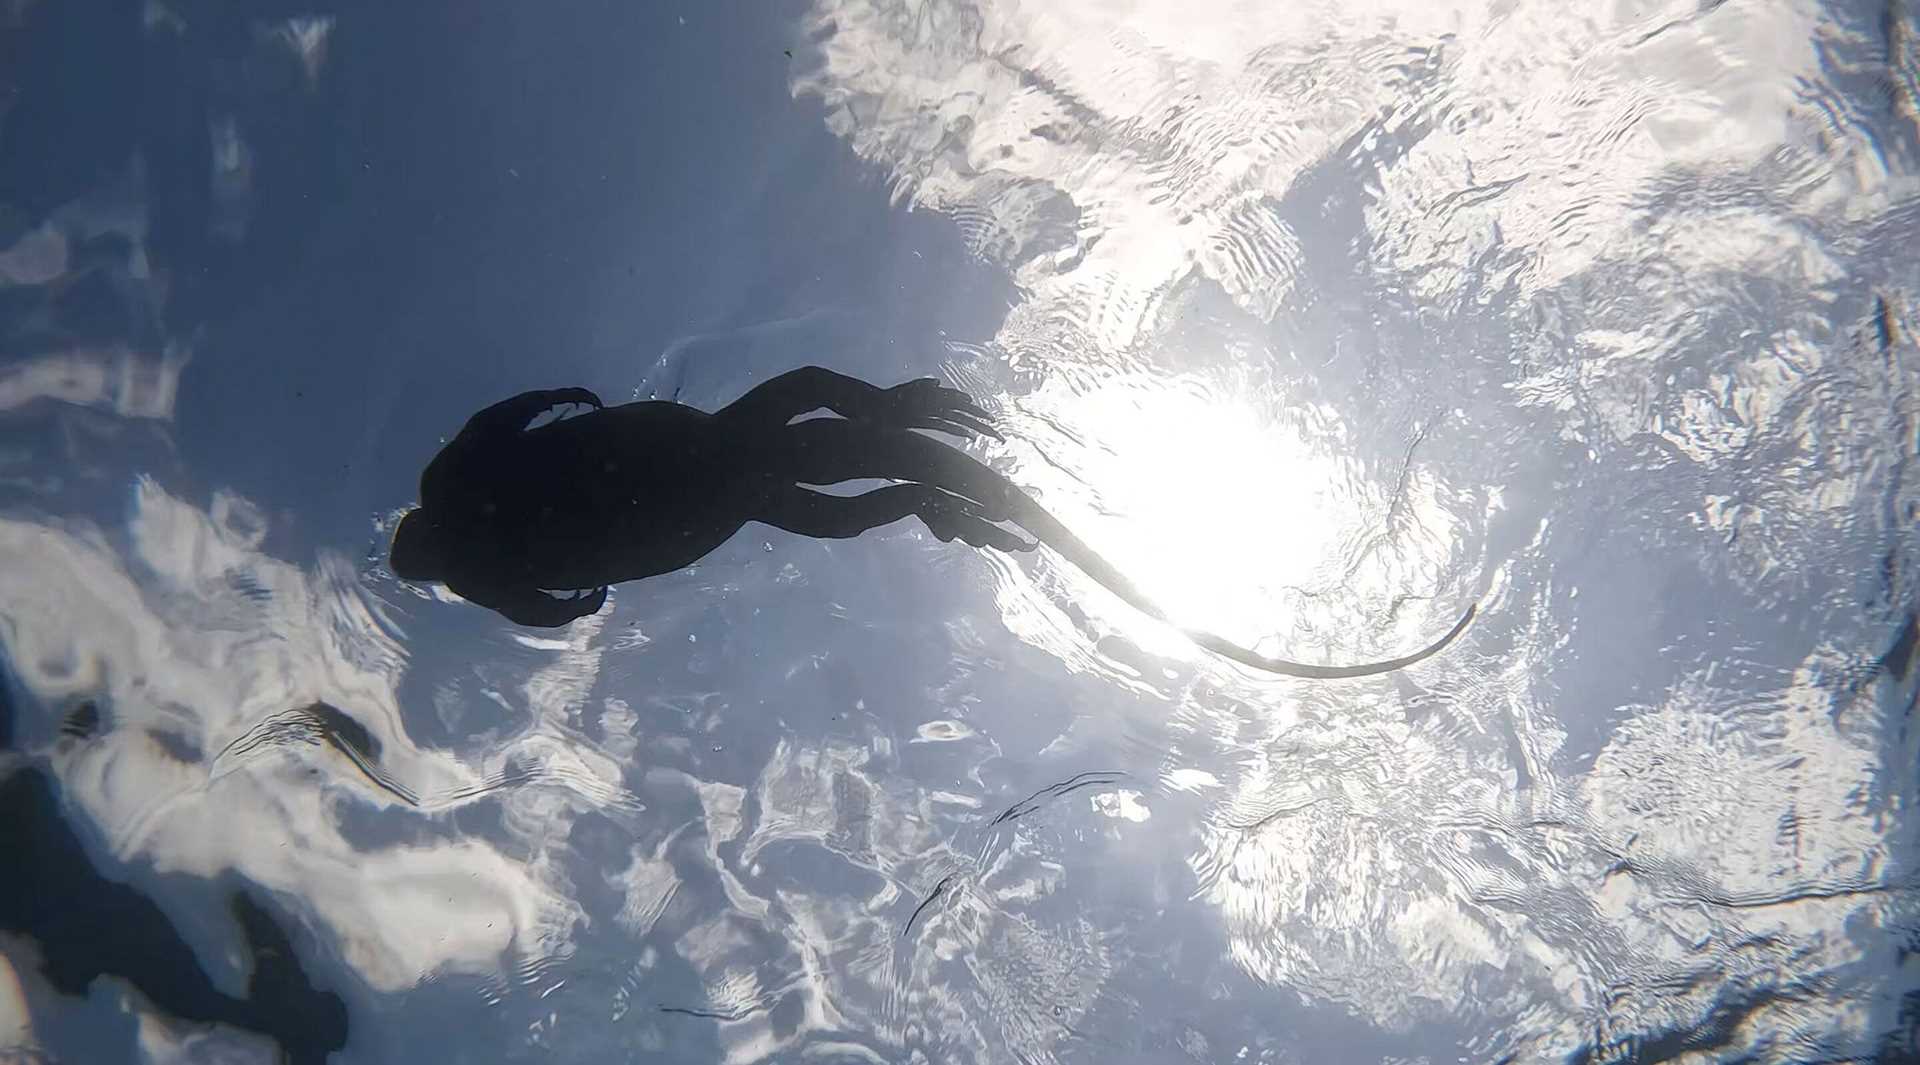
[1049, 530]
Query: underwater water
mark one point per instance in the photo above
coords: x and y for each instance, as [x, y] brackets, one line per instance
[1320, 322]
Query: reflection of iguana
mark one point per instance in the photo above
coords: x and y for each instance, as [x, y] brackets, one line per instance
[511, 514]
[87, 926]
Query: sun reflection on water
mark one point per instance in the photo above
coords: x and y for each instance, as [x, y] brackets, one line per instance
[1243, 517]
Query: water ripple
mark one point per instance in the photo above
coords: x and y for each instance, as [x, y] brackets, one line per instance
[1613, 295]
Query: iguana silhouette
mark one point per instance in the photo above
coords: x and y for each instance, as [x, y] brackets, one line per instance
[512, 515]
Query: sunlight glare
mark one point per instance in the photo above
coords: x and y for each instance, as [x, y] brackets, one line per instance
[1213, 509]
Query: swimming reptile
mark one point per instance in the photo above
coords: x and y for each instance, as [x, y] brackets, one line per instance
[511, 512]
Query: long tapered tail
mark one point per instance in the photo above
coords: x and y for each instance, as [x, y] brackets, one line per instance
[1245, 657]
[1051, 532]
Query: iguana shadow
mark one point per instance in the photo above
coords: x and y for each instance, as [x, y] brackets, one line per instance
[536, 521]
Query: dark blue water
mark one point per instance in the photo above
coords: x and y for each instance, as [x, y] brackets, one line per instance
[1320, 322]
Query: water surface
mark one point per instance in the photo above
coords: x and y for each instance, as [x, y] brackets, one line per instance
[1320, 320]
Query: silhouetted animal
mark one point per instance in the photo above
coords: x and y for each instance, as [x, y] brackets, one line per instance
[511, 515]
